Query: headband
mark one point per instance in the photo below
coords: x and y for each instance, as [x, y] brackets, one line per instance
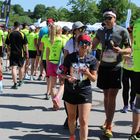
[109, 13]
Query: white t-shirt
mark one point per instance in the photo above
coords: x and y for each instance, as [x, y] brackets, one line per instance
[70, 46]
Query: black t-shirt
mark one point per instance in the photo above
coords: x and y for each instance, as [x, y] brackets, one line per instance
[73, 60]
[16, 40]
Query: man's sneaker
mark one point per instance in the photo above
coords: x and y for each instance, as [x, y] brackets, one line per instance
[108, 133]
[125, 109]
[20, 83]
[72, 137]
[132, 106]
[133, 137]
[14, 86]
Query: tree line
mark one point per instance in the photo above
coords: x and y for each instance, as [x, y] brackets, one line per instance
[87, 11]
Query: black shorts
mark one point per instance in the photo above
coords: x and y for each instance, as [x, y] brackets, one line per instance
[1, 51]
[77, 95]
[44, 65]
[109, 77]
[15, 61]
[32, 54]
[136, 82]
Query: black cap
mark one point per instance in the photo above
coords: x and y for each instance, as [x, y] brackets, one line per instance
[66, 28]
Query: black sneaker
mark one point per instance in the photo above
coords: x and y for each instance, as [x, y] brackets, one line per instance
[14, 86]
[133, 137]
[47, 96]
[40, 78]
[20, 83]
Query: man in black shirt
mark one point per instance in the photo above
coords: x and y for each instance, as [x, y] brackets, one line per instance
[17, 50]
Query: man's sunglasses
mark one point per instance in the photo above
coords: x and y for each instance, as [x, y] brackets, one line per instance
[84, 43]
[107, 18]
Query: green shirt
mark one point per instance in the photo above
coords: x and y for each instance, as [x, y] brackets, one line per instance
[1, 35]
[45, 40]
[55, 50]
[31, 43]
[25, 31]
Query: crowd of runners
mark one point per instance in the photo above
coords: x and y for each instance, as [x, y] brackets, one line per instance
[74, 58]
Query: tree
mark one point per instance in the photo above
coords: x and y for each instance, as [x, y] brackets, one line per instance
[39, 11]
[120, 7]
[18, 9]
[83, 10]
[63, 14]
[51, 12]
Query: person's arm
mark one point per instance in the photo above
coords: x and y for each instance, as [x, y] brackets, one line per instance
[123, 51]
[26, 51]
[95, 43]
[47, 54]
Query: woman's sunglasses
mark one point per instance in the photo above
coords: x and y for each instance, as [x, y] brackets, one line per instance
[84, 43]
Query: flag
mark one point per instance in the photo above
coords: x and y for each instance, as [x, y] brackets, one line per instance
[7, 12]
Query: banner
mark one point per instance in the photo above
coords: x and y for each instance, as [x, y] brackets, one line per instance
[7, 12]
[127, 23]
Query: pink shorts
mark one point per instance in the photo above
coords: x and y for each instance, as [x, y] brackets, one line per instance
[51, 69]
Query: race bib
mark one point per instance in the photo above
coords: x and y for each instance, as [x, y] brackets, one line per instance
[76, 74]
[109, 56]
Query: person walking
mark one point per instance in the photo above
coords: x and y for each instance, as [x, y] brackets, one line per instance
[112, 38]
[80, 69]
[71, 46]
[135, 133]
[127, 80]
[17, 44]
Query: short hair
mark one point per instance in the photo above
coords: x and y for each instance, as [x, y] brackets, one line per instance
[24, 25]
[16, 24]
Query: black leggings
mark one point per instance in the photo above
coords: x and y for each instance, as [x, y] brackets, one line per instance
[127, 80]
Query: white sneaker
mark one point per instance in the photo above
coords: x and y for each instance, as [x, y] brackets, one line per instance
[32, 78]
[27, 77]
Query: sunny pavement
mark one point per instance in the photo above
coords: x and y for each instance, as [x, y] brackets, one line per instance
[25, 115]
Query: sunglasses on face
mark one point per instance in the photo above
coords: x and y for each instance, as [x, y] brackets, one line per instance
[84, 43]
[107, 18]
[81, 29]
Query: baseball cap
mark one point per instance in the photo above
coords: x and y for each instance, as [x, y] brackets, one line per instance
[78, 24]
[50, 20]
[84, 37]
[32, 27]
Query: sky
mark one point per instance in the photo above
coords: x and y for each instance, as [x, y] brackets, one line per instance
[30, 4]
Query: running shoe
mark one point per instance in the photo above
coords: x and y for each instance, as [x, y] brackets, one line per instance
[20, 83]
[72, 137]
[27, 77]
[47, 96]
[132, 106]
[133, 137]
[40, 78]
[125, 109]
[14, 86]
[103, 127]
[108, 133]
